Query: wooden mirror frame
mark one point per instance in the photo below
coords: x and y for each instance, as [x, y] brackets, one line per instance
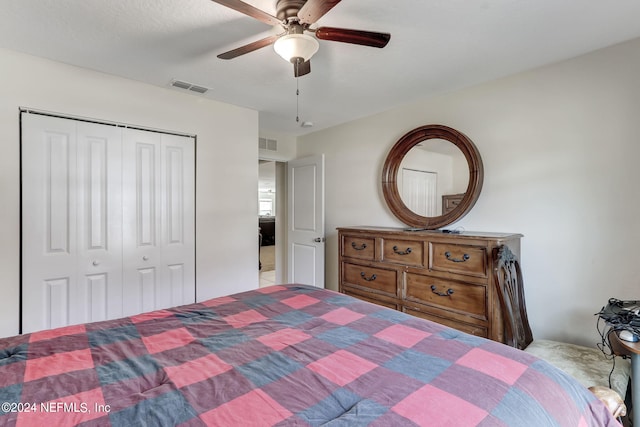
[392, 167]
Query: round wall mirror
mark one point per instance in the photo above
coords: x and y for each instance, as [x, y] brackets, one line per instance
[432, 177]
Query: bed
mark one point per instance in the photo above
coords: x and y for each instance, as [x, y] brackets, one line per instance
[289, 355]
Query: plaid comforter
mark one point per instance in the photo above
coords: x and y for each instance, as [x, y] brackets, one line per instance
[283, 355]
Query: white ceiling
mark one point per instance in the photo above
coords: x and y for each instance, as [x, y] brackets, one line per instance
[436, 46]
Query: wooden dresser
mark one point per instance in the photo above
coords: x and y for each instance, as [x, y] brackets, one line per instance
[444, 277]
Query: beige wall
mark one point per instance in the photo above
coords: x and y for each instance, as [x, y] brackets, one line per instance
[227, 170]
[560, 147]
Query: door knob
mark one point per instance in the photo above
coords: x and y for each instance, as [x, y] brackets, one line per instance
[145, 258]
[96, 263]
[319, 239]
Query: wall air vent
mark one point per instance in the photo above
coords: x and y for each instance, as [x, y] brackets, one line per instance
[267, 144]
[188, 86]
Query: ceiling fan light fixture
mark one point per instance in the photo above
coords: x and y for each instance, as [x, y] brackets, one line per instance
[292, 46]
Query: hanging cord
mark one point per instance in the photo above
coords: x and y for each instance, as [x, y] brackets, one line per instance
[605, 345]
[297, 64]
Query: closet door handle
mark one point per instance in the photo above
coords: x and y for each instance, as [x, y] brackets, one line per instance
[96, 263]
[145, 258]
[465, 257]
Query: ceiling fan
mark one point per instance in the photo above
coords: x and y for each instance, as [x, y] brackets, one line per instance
[296, 18]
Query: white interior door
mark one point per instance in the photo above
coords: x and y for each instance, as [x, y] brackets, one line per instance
[305, 236]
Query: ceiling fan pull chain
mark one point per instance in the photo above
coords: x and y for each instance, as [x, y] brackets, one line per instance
[297, 95]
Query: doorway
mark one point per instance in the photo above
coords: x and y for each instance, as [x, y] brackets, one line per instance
[272, 209]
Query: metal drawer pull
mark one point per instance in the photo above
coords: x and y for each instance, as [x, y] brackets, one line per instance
[368, 279]
[358, 248]
[465, 257]
[407, 252]
[441, 294]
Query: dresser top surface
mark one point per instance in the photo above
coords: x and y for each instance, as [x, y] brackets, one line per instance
[430, 233]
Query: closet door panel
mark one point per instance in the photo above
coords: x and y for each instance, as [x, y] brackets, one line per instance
[141, 219]
[97, 295]
[57, 296]
[178, 214]
[181, 285]
[147, 289]
[48, 221]
[99, 197]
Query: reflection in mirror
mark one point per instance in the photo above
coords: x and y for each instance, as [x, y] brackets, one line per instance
[425, 184]
[431, 173]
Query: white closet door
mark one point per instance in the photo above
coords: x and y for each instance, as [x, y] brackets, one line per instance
[419, 191]
[158, 221]
[178, 220]
[108, 221]
[141, 220]
[99, 223]
[64, 166]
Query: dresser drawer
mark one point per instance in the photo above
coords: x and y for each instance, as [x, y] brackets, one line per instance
[447, 294]
[477, 330]
[359, 247]
[376, 279]
[405, 252]
[461, 259]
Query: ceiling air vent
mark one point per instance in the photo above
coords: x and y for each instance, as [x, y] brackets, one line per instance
[268, 144]
[188, 86]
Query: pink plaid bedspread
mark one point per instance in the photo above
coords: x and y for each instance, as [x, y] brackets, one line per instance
[283, 355]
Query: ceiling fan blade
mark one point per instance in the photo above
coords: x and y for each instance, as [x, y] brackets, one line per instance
[249, 10]
[302, 68]
[249, 47]
[365, 38]
[315, 9]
